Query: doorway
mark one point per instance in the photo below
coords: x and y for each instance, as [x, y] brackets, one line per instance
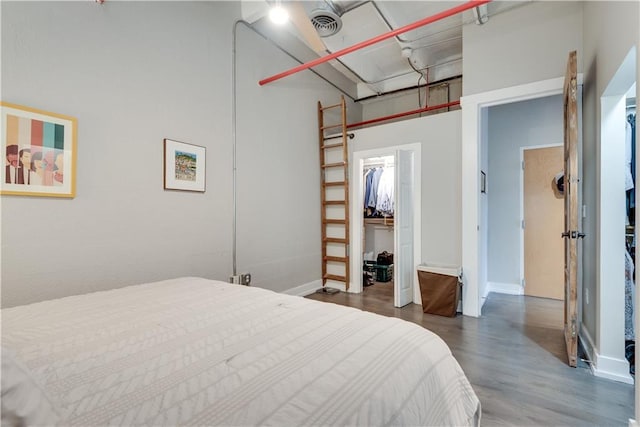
[406, 221]
[616, 248]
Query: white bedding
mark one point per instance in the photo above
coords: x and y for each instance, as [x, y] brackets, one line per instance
[192, 351]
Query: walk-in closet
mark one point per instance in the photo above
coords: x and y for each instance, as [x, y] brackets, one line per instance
[378, 208]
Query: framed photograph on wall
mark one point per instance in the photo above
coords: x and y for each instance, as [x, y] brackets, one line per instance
[184, 166]
[39, 149]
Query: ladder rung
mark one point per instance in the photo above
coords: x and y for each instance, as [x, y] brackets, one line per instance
[336, 258]
[324, 147]
[331, 127]
[335, 221]
[333, 165]
[334, 184]
[334, 202]
[334, 240]
[335, 277]
[331, 106]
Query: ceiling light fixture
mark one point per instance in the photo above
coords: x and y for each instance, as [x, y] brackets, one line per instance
[278, 14]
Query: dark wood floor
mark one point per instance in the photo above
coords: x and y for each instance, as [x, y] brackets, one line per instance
[514, 357]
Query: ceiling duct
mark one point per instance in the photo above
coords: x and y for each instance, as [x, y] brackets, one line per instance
[326, 20]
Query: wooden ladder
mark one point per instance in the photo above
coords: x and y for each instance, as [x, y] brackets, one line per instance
[335, 227]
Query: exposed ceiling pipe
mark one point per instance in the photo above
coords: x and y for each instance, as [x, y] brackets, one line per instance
[406, 113]
[428, 20]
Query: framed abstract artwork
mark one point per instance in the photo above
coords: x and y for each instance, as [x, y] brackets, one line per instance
[184, 166]
[39, 149]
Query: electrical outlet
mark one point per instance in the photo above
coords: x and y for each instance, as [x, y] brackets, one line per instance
[245, 279]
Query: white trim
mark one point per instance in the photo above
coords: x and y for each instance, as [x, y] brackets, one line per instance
[305, 289]
[472, 106]
[603, 366]
[356, 219]
[505, 288]
[522, 150]
[632, 423]
[612, 369]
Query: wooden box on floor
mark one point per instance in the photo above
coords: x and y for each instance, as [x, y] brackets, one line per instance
[440, 290]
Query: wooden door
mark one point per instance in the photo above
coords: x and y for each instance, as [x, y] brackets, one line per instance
[543, 223]
[571, 188]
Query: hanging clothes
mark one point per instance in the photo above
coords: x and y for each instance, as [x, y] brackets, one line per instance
[629, 298]
[630, 170]
[385, 199]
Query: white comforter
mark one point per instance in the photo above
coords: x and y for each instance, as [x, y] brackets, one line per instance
[192, 351]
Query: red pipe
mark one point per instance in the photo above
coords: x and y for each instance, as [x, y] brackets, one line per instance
[428, 20]
[406, 113]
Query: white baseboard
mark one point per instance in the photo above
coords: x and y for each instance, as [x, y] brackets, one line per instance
[305, 289]
[612, 369]
[604, 366]
[505, 288]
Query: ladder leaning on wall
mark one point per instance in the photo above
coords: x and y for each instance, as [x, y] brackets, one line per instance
[334, 194]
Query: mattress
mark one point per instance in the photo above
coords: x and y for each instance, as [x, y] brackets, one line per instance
[192, 351]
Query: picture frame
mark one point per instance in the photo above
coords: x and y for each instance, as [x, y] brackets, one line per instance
[184, 166]
[483, 182]
[40, 151]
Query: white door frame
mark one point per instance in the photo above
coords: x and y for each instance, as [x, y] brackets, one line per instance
[472, 127]
[356, 218]
[522, 150]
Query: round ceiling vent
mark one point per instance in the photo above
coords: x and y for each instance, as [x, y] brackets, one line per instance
[326, 22]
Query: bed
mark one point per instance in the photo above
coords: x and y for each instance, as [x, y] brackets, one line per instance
[192, 351]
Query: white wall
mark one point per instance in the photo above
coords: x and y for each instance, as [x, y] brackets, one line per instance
[132, 73]
[511, 127]
[278, 166]
[610, 31]
[527, 44]
[441, 206]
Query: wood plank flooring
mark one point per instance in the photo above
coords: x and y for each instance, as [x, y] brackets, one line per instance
[514, 357]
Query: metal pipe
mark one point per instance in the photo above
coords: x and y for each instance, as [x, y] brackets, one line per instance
[234, 140]
[428, 20]
[406, 113]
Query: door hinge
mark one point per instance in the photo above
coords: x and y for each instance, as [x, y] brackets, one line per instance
[523, 165]
[573, 328]
[523, 224]
[524, 282]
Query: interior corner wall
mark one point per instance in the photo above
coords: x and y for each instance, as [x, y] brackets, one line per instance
[441, 139]
[528, 43]
[610, 31]
[278, 166]
[132, 73]
[512, 127]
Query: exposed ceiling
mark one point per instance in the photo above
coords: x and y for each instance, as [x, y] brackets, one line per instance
[432, 52]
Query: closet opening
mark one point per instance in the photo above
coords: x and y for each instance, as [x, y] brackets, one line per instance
[615, 291]
[385, 223]
[378, 237]
[630, 229]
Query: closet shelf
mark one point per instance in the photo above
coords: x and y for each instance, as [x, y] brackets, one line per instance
[379, 221]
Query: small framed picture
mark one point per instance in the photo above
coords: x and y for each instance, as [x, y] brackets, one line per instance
[184, 166]
[39, 148]
[483, 182]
